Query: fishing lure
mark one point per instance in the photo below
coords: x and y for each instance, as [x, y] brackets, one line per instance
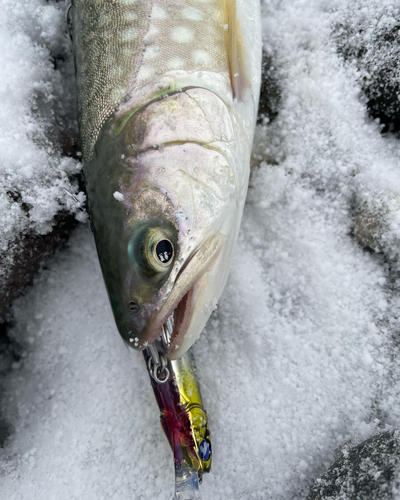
[183, 417]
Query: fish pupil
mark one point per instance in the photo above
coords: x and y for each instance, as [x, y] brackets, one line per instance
[164, 251]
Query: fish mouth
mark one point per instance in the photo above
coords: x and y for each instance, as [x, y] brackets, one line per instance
[179, 317]
[176, 325]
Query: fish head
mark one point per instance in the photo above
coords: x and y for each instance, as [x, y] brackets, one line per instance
[165, 220]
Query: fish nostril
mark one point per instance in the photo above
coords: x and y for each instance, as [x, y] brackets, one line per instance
[134, 307]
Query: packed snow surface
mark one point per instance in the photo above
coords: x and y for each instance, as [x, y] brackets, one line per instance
[301, 357]
[35, 102]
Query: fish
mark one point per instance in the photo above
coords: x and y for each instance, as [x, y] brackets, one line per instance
[168, 94]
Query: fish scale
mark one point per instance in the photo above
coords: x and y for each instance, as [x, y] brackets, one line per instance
[108, 43]
[122, 46]
[185, 35]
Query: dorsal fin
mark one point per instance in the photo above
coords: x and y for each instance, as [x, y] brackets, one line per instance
[235, 52]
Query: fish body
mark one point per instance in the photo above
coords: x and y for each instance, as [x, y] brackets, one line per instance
[167, 99]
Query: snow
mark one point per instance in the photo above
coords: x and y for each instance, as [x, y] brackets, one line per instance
[119, 196]
[365, 33]
[300, 358]
[34, 176]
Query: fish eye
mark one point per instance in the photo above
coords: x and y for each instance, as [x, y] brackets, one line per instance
[158, 251]
[152, 250]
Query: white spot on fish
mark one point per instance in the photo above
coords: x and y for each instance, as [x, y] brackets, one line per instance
[158, 13]
[226, 27]
[116, 72]
[130, 15]
[192, 13]
[150, 35]
[145, 73]
[182, 34]
[175, 63]
[200, 57]
[151, 52]
[129, 34]
[119, 196]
